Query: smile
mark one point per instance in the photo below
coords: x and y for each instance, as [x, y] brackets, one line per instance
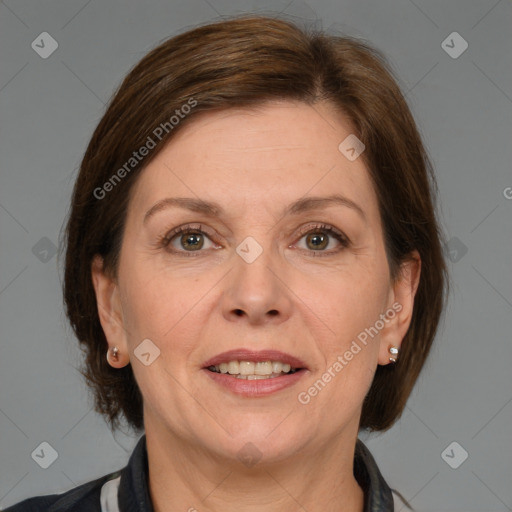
[251, 370]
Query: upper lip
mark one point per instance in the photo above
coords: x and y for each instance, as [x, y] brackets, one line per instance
[242, 354]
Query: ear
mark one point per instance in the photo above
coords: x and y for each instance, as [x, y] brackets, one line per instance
[110, 311]
[400, 306]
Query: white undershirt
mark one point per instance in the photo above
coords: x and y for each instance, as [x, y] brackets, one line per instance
[108, 496]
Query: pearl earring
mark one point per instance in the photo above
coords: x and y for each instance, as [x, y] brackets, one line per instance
[394, 352]
[115, 354]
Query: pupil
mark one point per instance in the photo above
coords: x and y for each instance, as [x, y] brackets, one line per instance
[192, 240]
[317, 240]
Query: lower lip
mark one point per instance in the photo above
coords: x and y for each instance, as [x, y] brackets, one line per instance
[258, 387]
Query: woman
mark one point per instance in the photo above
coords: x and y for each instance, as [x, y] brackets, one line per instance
[254, 269]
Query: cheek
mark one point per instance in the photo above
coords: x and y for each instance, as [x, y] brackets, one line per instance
[351, 305]
[163, 306]
[350, 385]
[144, 302]
[345, 303]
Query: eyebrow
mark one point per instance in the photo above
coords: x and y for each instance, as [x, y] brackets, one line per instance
[213, 209]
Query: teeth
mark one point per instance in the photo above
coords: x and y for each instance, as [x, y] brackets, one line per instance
[246, 368]
[233, 367]
[252, 370]
[277, 366]
[258, 377]
[264, 368]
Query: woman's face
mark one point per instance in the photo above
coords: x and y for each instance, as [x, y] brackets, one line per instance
[285, 253]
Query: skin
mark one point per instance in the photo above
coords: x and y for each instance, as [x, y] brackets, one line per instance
[253, 163]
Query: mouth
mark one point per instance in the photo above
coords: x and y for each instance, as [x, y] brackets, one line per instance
[251, 370]
[252, 373]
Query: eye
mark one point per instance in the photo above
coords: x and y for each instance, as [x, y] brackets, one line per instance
[321, 237]
[187, 239]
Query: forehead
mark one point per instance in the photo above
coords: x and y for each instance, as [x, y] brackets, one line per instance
[263, 157]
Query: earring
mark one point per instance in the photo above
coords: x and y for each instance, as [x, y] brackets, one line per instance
[115, 354]
[394, 352]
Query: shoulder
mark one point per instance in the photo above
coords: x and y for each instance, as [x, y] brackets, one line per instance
[84, 498]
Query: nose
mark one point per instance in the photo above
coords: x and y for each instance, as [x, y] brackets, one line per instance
[255, 294]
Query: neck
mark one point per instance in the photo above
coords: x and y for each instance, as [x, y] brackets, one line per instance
[182, 476]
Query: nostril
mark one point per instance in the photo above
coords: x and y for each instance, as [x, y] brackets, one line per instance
[241, 312]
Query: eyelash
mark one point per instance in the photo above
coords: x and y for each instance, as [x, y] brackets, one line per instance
[331, 231]
[165, 240]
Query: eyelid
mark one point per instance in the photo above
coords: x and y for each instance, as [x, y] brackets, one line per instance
[194, 226]
[321, 226]
[165, 240]
[343, 241]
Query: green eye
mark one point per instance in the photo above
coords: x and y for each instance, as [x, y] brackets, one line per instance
[192, 241]
[321, 237]
[318, 241]
[187, 239]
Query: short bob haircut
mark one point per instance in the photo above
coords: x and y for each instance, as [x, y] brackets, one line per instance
[243, 62]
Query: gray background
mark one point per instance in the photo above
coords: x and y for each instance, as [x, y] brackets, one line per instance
[463, 106]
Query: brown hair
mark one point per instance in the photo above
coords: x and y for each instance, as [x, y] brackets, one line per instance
[243, 62]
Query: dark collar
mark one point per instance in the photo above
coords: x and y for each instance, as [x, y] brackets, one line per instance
[134, 491]
[377, 494]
